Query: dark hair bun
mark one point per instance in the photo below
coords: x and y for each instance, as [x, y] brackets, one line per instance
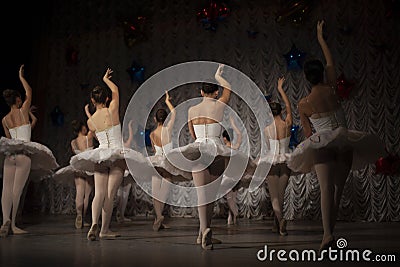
[161, 115]
[77, 126]
[10, 96]
[209, 88]
[314, 71]
[276, 108]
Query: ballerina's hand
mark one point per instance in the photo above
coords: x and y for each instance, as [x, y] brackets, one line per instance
[219, 70]
[167, 97]
[108, 73]
[320, 28]
[280, 83]
[21, 71]
[33, 109]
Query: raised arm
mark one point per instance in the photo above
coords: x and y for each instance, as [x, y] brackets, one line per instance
[87, 112]
[114, 104]
[226, 93]
[237, 132]
[305, 122]
[128, 142]
[330, 67]
[289, 118]
[172, 110]
[28, 90]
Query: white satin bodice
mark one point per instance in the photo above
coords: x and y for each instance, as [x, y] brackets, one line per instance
[280, 146]
[161, 151]
[22, 132]
[205, 132]
[329, 121]
[110, 137]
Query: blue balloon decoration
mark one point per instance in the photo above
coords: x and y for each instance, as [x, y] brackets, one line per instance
[294, 137]
[295, 58]
[57, 117]
[136, 73]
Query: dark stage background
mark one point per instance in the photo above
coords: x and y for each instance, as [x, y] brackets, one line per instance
[363, 38]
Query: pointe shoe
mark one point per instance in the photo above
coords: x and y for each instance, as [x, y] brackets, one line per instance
[109, 235]
[93, 232]
[206, 241]
[326, 243]
[158, 224]
[78, 222]
[275, 225]
[86, 224]
[5, 229]
[282, 227]
[17, 231]
[213, 240]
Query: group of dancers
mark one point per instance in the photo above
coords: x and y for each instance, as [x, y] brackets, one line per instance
[330, 150]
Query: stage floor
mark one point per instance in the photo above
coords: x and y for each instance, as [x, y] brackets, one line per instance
[53, 241]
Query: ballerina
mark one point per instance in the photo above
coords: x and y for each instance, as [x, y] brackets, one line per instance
[227, 136]
[83, 180]
[279, 173]
[21, 155]
[333, 150]
[161, 142]
[126, 184]
[108, 160]
[204, 127]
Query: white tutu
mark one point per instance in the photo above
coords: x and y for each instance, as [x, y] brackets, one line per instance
[107, 157]
[215, 156]
[41, 157]
[367, 148]
[275, 159]
[68, 174]
[166, 170]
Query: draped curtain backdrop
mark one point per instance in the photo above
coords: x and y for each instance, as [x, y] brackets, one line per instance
[363, 41]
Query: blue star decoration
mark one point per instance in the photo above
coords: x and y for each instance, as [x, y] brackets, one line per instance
[136, 73]
[295, 58]
[294, 136]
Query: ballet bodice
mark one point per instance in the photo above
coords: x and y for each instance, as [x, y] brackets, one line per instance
[110, 137]
[22, 132]
[280, 146]
[161, 151]
[329, 121]
[205, 132]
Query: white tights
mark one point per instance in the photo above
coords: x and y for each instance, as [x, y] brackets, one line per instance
[106, 183]
[123, 196]
[83, 189]
[160, 190]
[15, 174]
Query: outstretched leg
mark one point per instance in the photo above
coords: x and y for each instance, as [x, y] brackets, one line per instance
[23, 167]
[160, 190]
[233, 208]
[325, 166]
[7, 193]
[114, 181]
[344, 162]
[79, 201]
[123, 197]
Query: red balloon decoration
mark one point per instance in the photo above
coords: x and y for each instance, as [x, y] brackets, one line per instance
[134, 30]
[344, 87]
[71, 56]
[295, 11]
[389, 165]
[213, 13]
